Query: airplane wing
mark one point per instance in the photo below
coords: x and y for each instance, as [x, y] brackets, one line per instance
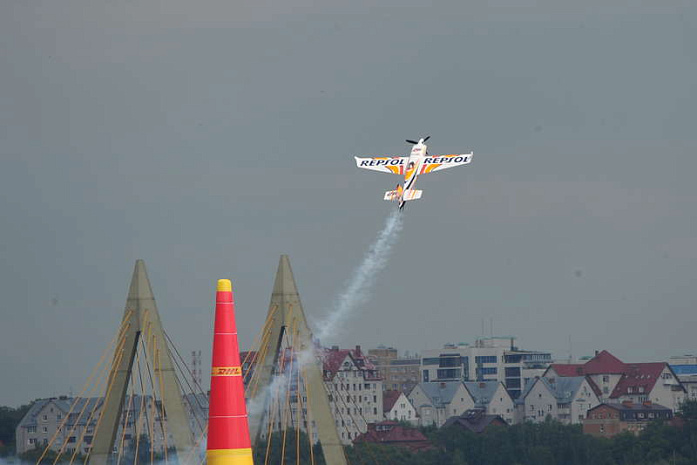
[443, 162]
[393, 165]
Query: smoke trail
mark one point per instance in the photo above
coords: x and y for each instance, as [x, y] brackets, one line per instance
[355, 293]
[360, 285]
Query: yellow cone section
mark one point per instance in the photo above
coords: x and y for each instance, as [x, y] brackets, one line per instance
[229, 457]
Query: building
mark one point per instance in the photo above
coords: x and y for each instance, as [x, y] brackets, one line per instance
[397, 373]
[685, 368]
[492, 398]
[382, 356]
[69, 423]
[436, 402]
[604, 369]
[475, 420]
[607, 420]
[397, 407]
[393, 434]
[354, 387]
[489, 359]
[619, 381]
[565, 399]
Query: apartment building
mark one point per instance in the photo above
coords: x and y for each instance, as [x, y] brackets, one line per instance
[397, 373]
[436, 402]
[70, 423]
[355, 391]
[619, 381]
[566, 399]
[489, 359]
[608, 420]
[492, 398]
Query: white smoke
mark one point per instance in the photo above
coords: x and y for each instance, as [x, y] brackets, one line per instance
[356, 292]
[360, 285]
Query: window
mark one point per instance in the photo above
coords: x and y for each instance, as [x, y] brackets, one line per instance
[606, 378]
[31, 429]
[45, 417]
[32, 441]
[71, 439]
[375, 411]
[513, 372]
[448, 373]
[45, 428]
[485, 359]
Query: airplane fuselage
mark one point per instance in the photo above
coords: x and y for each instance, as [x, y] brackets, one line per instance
[411, 173]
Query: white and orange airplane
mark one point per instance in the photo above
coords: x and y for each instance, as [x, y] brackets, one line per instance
[418, 162]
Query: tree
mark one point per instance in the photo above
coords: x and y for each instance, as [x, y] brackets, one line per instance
[9, 419]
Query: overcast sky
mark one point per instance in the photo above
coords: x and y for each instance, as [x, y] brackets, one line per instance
[208, 137]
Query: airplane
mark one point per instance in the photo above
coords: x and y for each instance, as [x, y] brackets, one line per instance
[418, 162]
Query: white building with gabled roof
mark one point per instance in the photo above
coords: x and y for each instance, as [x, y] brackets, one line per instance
[565, 399]
[397, 407]
[436, 402]
[493, 398]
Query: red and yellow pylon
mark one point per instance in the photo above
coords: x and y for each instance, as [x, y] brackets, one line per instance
[228, 430]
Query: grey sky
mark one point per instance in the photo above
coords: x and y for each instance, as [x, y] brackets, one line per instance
[209, 137]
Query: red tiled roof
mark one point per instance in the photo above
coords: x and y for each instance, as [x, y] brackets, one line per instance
[333, 360]
[391, 432]
[638, 375]
[389, 398]
[603, 363]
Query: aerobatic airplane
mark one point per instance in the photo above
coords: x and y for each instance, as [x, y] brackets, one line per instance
[418, 162]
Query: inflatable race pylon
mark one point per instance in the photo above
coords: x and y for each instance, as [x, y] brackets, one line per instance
[228, 430]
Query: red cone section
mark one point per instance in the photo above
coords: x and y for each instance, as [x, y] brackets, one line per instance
[228, 430]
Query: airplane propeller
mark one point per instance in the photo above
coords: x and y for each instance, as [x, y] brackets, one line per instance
[414, 142]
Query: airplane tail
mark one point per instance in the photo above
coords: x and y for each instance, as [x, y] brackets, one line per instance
[413, 195]
[399, 194]
[394, 195]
